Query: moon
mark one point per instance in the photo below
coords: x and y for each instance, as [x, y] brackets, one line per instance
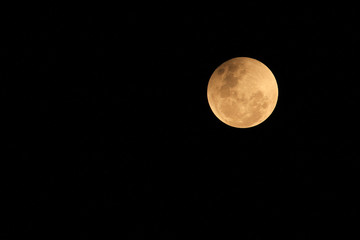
[242, 92]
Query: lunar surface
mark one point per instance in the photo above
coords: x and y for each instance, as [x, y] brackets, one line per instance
[242, 92]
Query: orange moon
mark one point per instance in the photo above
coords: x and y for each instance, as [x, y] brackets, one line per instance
[242, 92]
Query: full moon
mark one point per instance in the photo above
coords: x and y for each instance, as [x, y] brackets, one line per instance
[242, 92]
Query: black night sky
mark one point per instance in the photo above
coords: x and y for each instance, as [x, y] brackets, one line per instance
[107, 132]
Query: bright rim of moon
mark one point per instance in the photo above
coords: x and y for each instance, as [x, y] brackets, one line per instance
[242, 92]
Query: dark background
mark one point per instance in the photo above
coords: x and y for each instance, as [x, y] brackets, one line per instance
[108, 133]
